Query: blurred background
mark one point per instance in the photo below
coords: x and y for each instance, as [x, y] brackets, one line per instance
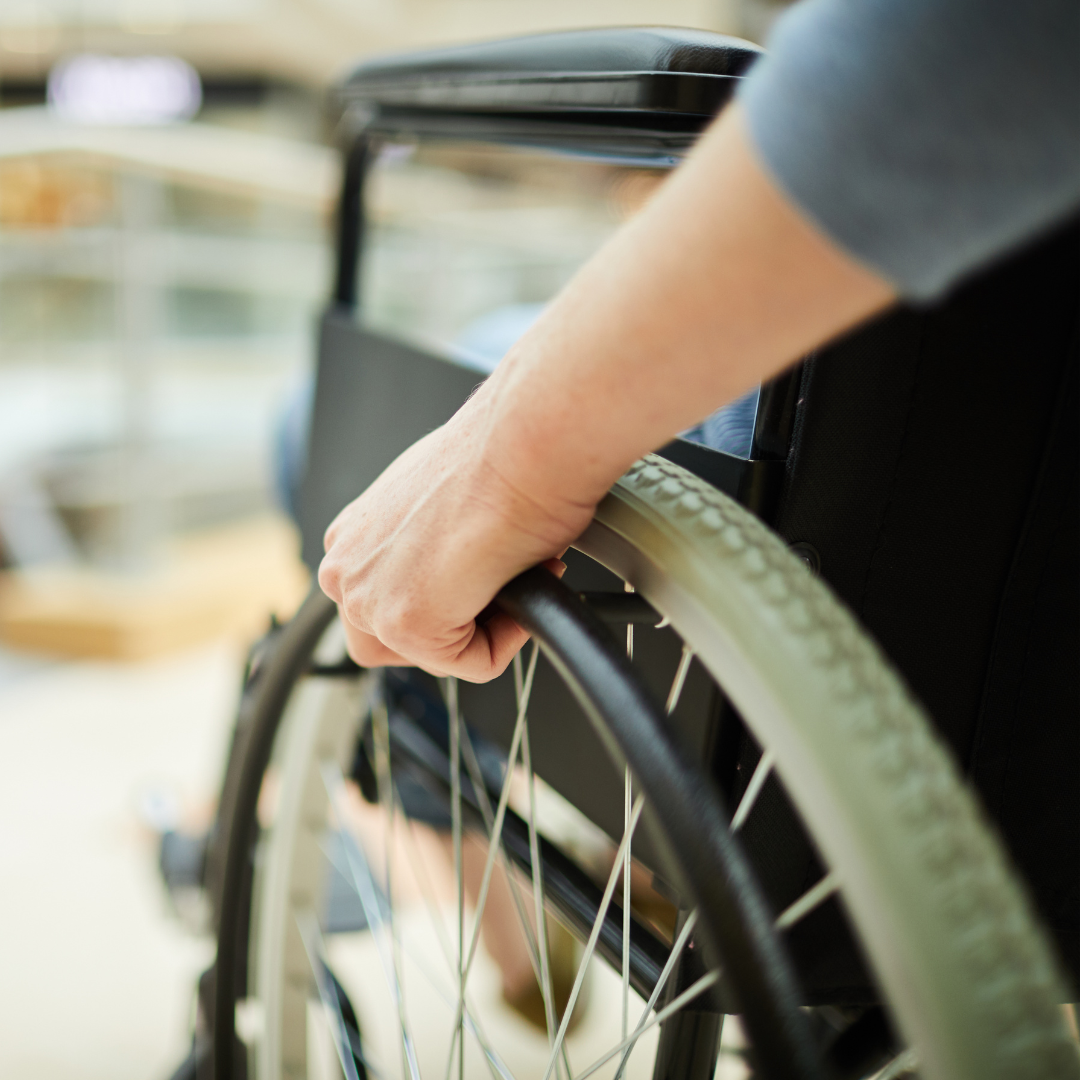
[167, 176]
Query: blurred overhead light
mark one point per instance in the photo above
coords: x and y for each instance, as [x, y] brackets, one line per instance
[124, 90]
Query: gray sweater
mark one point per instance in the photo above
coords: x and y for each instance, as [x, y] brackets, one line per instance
[925, 137]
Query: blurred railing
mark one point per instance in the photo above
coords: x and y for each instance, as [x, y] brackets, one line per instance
[158, 292]
[139, 255]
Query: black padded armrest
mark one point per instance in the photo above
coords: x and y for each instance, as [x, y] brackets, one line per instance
[675, 79]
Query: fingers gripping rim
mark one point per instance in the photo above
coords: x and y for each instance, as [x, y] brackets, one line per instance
[709, 868]
[949, 933]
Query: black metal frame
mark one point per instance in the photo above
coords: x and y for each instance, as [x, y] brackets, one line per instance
[628, 114]
[683, 809]
[711, 870]
[648, 126]
[755, 482]
[621, 94]
[601, 93]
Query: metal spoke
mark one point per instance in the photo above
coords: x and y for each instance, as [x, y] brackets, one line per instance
[472, 767]
[495, 841]
[665, 974]
[472, 1024]
[420, 872]
[380, 731]
[594, 936]
[688, 995]
[679, 681]
[496, 1064]
[347, 1050]
[546, 989]
[543, 961]
[627, 809]
[364, 886]
[458, 1037]
[902, 1063]
[536, 945]
[674, 694]
[532, 946]
[809, 900]
[753, 790]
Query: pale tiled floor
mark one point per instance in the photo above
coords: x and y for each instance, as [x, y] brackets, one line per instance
[96, 976]
[522, 1048]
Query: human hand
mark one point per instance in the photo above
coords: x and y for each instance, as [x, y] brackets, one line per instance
[718, 283]
[414, 560]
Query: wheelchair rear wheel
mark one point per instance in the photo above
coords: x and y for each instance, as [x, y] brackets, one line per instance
[967, 982]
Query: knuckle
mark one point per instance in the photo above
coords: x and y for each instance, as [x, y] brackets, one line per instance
[411, 623]
[331, 534]
[329, 577]
[408, 627]
[497, 669]
[367, 653]
[401, 626]
[352, 607]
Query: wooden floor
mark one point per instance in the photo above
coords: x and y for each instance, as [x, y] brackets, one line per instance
[117, 697]
[97, 977]
[223, 582]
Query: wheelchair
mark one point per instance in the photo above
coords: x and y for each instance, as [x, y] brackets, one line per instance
[728, 694]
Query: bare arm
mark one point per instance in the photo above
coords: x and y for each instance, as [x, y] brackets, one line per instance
[717, 284]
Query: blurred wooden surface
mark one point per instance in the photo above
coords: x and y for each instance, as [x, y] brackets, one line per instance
[228, 160]
[225, 582]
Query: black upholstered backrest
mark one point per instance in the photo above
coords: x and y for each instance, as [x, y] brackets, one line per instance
[934, 463]
[934, 469]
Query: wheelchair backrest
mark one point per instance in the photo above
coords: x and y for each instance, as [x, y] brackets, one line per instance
[587, 114]
[927, 462]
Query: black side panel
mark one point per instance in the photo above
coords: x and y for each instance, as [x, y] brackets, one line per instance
[917, 448]
[374, 399]
[919, 441]
[849, 434]
[1026, 759]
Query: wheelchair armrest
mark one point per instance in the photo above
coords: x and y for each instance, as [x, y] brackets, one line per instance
[671, 80]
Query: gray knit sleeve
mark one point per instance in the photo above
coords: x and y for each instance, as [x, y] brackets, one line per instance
[925, 137]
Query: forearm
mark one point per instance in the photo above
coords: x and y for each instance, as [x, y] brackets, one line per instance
[717, 284]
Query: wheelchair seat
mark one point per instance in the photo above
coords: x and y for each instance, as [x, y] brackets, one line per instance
[924, 465]
[921, 461]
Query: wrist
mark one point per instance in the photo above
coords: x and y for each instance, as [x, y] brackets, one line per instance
[520, 464]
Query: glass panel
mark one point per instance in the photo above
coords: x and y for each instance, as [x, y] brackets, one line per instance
[731, 428]
[467, 242]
